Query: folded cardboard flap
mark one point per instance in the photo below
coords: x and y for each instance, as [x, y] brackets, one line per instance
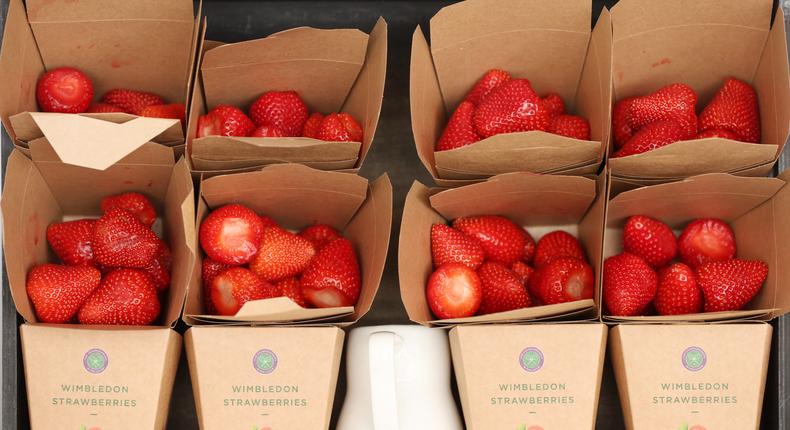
[773, 86]
[428, 115]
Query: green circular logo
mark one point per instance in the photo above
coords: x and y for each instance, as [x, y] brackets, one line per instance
[531, 359]
[265, 361]
[694, 359]
[95, 361]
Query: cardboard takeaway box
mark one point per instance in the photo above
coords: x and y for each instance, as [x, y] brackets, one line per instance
[531, 376]
[332, 70]
[755, 208]
[540, 203]
[96, 376]
[549, 43]
[142, 45]
[700, 44]
[691, 377]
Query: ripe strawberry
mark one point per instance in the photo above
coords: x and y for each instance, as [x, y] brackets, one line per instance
[652, 136]
[570, 126]
[332, 278]
[650, 239]
[523, 271]
[121, 240]
[553, 104]
[136, 203]
[340, 127]
[449, 245]
[454, 291]
[282, 109]
[678, 292]
[705, 240]
[209, 270]
[291, 288]
[460, 131]
[225, 120]
[125, 297]
[555, 245]
[234, 287]
[492, 79]
[730, 285]
[621, 130]
[71, 241]
[511, 107]
[733, 108]
[312, 125]
[563, 280]
[231, 234]
[319, 235]
[529, 248]
[281, 254]
[132, 101]
[629, 285]
[65, 90]
[159, 268]
[268, 222]
[267, 131]
[172, 111]
[57, 292]
[674, 102]
[717, 132]
[104, 108]
[502, 289]
[502, 240]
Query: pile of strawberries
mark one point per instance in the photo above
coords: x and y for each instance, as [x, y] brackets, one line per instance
[249, 257]
[279, 114]
[499, 104]
[708, 278]
[487, 264]
[113, 270]
[641, 124]
[68, 90]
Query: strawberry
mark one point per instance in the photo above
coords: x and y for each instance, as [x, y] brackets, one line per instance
[65, 90]
[231, 234]
[705, 240]
[319, 235]
[268, 222]
[734, 107]
[282, 109]
[57, 292]
[460, 131]
[104, 108]
[71, 241]
[291, 288]
[523, 271]
[159, 268]
[570, 126]
[312, 125]
[555, 245]
[652, 136]
[629, 285]
[621, 130]
[492, 79]
[131, 101]
[281, 254]
[529, 248]
[234, 287]
[449, 245]
[502, 240]
[674, 102]
[650, 239]
[678, 292]
[509, 108]
[136, 203]
[340, 127]
[563, 280]
[172, 111]
[125, 297]
[553, 104]
[332, 278]
[121, 240]
[717, 132]
[225, 120]
[209, 270]
[454, 291]
[502, 289]
[729, 285]
[267, 131]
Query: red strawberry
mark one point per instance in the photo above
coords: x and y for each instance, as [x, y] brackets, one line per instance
[319, 235]
[340, 127]
[125, 297]
[267, 131]
[121, 240]
[332, 279]
[705, 240]
[225, 120]
[71, 241]
[312, 125]
[650, 239]
[268, 222]
[209, 270]
[104, 108]
[282, 109]
[57, 292]
[449, 245]
[529, 248]
[502, 289]
[730, 285]
[172, 111]
[570, 126]
[492, 79]
[621, 130]
[291, 288]
[511, 107]
[460, 131]
[132, 101]
[523, 271]
[281, 255]
[652, 136]
[454, 291]
[733, 108]
[563, 280]
[231, 234]
[553, 104]
[629, 285]
[674, 102]
[678, 293]
[717, 132]
[234, 287]
[159, 268]
[65, 90]
[502, 240]
[136, 203]
[555, 245]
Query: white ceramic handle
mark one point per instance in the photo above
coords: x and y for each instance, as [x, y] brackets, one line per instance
[383, 389]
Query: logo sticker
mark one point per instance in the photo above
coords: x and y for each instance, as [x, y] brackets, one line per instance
[265, 361]
[95, 361]
[531, 359]
[694, 359]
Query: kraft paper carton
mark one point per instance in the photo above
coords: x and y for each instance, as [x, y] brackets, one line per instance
[297, 196]
[332, 70]
[691, 377]
[549, 43]
[530, 376]
[264, 378]
[755, 208]
[700, 44]
[540, 203]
